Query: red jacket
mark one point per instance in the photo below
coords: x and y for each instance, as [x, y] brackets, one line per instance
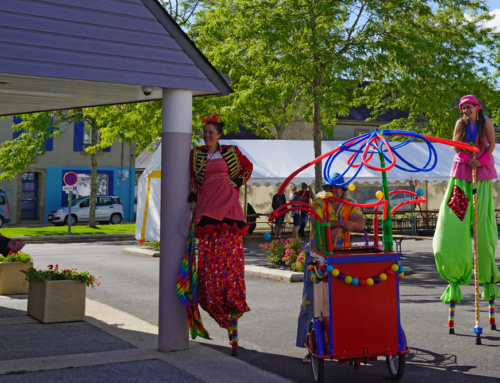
[240, 168]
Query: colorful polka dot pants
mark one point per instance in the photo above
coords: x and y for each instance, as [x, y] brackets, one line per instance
[221, 276]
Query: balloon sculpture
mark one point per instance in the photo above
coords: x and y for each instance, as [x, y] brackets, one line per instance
[363, 148]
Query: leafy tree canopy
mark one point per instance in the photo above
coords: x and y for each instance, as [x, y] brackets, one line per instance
[307, 58]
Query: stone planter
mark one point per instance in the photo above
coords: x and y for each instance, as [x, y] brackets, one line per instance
[57, 301]
[12, 281]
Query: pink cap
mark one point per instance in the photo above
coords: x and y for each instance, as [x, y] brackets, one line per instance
[469, 99]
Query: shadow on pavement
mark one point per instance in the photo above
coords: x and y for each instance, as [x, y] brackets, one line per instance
[422, 365]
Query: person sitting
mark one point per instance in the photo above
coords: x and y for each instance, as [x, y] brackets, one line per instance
[343, 220]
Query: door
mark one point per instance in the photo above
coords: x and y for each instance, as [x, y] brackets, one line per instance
[29, 196]
[83, 210]
[104, 208]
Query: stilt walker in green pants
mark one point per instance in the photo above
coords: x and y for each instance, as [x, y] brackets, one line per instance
[452, 241]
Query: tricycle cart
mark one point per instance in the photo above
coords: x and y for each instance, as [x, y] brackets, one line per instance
[357, 323]
[356, 288]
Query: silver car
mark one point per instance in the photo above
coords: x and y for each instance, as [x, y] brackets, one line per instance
[108, 209]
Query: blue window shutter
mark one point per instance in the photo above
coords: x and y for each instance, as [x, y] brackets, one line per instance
[49, 142]
[78, 137]
[108, 149]
[17, 120]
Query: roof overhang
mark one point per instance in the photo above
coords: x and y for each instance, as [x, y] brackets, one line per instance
[27, 94]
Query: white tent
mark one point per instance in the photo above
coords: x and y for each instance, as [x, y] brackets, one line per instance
[274, 160]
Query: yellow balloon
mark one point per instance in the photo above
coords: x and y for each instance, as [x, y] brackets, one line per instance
[379, 194]
[329, 194]
[351, 187]
[395, 267]
[335, 272]
[369, 281]
[383, 276]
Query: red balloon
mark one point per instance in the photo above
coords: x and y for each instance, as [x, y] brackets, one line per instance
[389, 272]
[362, 282]
[323, 268]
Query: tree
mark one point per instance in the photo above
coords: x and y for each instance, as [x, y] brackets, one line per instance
[418, 56]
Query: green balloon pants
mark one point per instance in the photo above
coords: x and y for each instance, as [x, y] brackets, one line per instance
[453, 243]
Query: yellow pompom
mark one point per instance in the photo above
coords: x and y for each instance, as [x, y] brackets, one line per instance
[401, 275]
[329, 194]
[348, 280]
[379, 194]
[383, 276]
[395, 267]
[335, 272]
[369, 281]
[351, 187]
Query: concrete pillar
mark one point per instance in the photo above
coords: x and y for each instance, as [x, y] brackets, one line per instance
[175, 147]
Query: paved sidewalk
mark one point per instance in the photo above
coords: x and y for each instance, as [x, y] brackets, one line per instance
[109, 346]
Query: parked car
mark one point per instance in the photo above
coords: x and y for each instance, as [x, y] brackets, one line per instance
[394, 200]
[4, 208]
[108, 209]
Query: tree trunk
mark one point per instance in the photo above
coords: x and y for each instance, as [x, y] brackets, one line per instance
[317, 146]
[93, 176]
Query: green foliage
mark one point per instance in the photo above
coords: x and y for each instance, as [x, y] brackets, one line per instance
[313, 60]
[16, 257]
[54, 274]
[152, 245]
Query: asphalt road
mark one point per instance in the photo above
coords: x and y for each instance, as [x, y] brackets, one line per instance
[267, 333]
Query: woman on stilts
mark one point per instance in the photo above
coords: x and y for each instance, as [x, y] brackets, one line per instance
[217, 173]
[452, 241]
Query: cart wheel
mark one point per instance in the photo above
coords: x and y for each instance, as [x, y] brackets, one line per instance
[317, 365]
[396, 365]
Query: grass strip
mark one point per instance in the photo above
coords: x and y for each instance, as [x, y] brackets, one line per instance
[63, 230]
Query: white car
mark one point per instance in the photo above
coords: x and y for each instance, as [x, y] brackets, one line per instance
[394, 200]
[108, 209]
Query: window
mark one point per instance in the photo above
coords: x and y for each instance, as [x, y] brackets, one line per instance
[82, 138]
[105, 201]
[359, 132]
[2, 200]
[83, 186]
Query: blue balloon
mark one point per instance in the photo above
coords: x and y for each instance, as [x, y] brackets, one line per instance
[267, 236]
[420, 192]
[329, 268]
[401, 269]
[355, 281]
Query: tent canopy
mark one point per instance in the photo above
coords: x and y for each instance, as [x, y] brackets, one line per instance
[274, 161]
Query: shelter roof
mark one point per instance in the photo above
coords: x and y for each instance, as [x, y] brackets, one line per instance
[60, 54]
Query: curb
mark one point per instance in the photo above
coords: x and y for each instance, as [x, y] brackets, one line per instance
[277, 275]
[78, 238]
[135, 250]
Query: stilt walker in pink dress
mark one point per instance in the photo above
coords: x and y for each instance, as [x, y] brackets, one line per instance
[217, 173]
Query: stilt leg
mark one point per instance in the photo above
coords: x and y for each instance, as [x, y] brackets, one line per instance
[492, 314]
[451, 318]
[477, 328]
[234, 337]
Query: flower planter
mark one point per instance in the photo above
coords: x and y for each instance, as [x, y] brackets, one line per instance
[57, 301]
[12, 281]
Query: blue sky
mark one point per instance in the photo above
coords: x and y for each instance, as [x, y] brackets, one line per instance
[495, 9]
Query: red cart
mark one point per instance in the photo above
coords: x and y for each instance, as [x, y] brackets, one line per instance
[356, 309]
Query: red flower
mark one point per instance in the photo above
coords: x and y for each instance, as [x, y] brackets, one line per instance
[50, 267]
[67, 271]
[98, 283]
[57, 267]
[90, 278]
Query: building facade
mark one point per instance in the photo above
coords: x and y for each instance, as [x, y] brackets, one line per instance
[37, 190]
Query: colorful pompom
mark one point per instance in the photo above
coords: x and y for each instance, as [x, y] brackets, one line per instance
[329, 268]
